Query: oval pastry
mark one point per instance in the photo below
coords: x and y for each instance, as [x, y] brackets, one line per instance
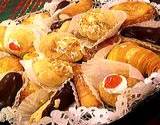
[113, 85]
[52, 73]
[137, 11]
[63, 46]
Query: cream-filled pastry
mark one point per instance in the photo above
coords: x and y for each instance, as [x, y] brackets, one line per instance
[113, 85]
[98, 23]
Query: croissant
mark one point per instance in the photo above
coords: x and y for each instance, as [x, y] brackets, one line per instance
[143, 59]
[85, 95]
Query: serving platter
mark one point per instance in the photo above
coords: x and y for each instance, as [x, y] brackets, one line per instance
[83, 87]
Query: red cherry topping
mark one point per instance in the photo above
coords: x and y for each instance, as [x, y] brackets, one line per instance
[13, 46]
[112, 81]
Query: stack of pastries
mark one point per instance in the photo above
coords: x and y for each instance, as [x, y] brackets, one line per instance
[75, 55]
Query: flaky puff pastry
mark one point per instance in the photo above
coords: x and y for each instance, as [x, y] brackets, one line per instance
[63, 46]
[143, 59]
[137, 11]
[52, 73]
[85, 95]
[111, 98]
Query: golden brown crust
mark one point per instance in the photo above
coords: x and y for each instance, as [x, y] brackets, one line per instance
[143, 59]
[56, 72]
[80, 7]
[85, 95]
[111, 99]
[137, 11]
[10, 63]
[2, 34]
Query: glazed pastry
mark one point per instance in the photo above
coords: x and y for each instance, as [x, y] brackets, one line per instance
[9, 86]
[76, 8]
[146, 34]
[97, 24]
[85, 95]
[113, 85]
[143, 59]
[10, 63]
[67, 48]
[19, 39]
[32, 17]
[61, 100]
[137, 11]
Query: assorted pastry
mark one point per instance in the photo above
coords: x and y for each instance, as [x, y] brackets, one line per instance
[76, 56]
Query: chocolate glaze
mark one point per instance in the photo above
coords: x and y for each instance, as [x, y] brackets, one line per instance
[66, 99]
[57, 24]
[62, 4]
[9, 86]
[148, 34]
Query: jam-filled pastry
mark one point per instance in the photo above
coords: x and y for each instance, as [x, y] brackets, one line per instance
[98, 23]
[137, 11]
[63, 46]
[19, 39]
[143, 59]
[112, 86]
[86, 97]
[10, 84]
[10, 63]
[75, 8]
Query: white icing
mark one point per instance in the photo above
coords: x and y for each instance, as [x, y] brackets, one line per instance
[119, 89]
